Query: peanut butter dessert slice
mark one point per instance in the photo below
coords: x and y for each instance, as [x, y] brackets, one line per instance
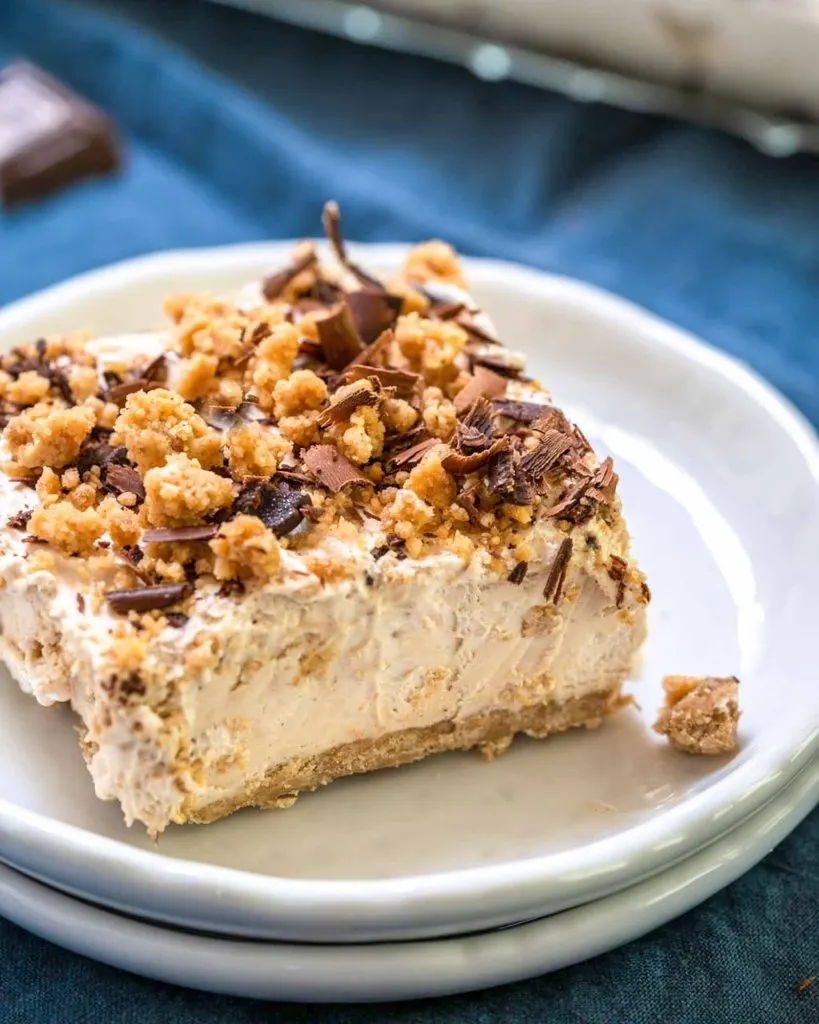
[319, 527]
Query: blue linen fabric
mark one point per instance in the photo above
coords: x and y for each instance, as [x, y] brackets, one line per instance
[237, 128]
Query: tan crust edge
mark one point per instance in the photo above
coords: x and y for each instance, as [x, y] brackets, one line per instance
[492, 732]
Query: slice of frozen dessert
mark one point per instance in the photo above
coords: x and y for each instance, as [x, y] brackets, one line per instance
[324, 526]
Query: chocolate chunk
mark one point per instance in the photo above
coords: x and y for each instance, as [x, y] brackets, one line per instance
[178, 534]
[518, 574]
[339, 339]
[311, 349]
[331, 468]
[342, 408]
[374, 311]
[119, 392]
[49, 136]
[483, 384]
[123, 480]
[459, 464]
[412, 456]
[406, 384]
[521, 412]
[279, 508]
[146, 599]
[273, 286]
[332, 228]
[557, 574]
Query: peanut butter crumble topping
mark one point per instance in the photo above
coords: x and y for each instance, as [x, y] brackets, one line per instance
[332, 407]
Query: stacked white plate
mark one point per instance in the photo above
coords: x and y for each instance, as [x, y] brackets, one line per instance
[415, 882]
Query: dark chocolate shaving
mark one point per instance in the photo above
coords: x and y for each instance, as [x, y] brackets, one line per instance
[19, 521]
[553, 589]
[178, 534]
[100, 453]
[479, 418]
[157, 369]
[498, 364]
[122, 480]
[406, 384]
[311, 349]
[331, 468]
[537, 463]
[412, 456]
[483, 384]
[339, 339]
[279, 507]
[120, 392]
[521, 412]
[331, 220]
[273, 286]
[80, 604]
[342, 408]
[373, 311]
[474, 331]
[373, 352]
[446, 310]
[176, 619]
[552, 418]
[506, 479]
[146, 599]
[518, 574]
[459, 464]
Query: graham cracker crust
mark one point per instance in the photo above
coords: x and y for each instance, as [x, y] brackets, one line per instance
[491, 732]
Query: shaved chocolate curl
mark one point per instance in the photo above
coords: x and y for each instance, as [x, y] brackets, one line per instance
[362, 393]
[274, 285]
[521, 412]
[123, 480]
[483, 384]
[406, 384]
[553, 589]
[146, 599]
[373, 310]
[280, 507]
[459, 464]
[331, 219]
[518, 574]
[338, 336]
[331, 468]
[550, 448]
[412, 456]
[119, 392]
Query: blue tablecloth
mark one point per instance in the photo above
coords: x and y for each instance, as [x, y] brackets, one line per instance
[243, 137]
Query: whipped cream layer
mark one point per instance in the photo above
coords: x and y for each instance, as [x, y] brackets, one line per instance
[296, 669]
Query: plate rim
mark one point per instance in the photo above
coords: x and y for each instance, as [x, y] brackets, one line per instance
[352, 910]
[437, 967]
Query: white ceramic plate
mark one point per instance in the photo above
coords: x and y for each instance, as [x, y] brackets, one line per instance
[720, 481]
[344, 973]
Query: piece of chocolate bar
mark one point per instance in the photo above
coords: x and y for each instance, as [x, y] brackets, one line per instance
[49, 136]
